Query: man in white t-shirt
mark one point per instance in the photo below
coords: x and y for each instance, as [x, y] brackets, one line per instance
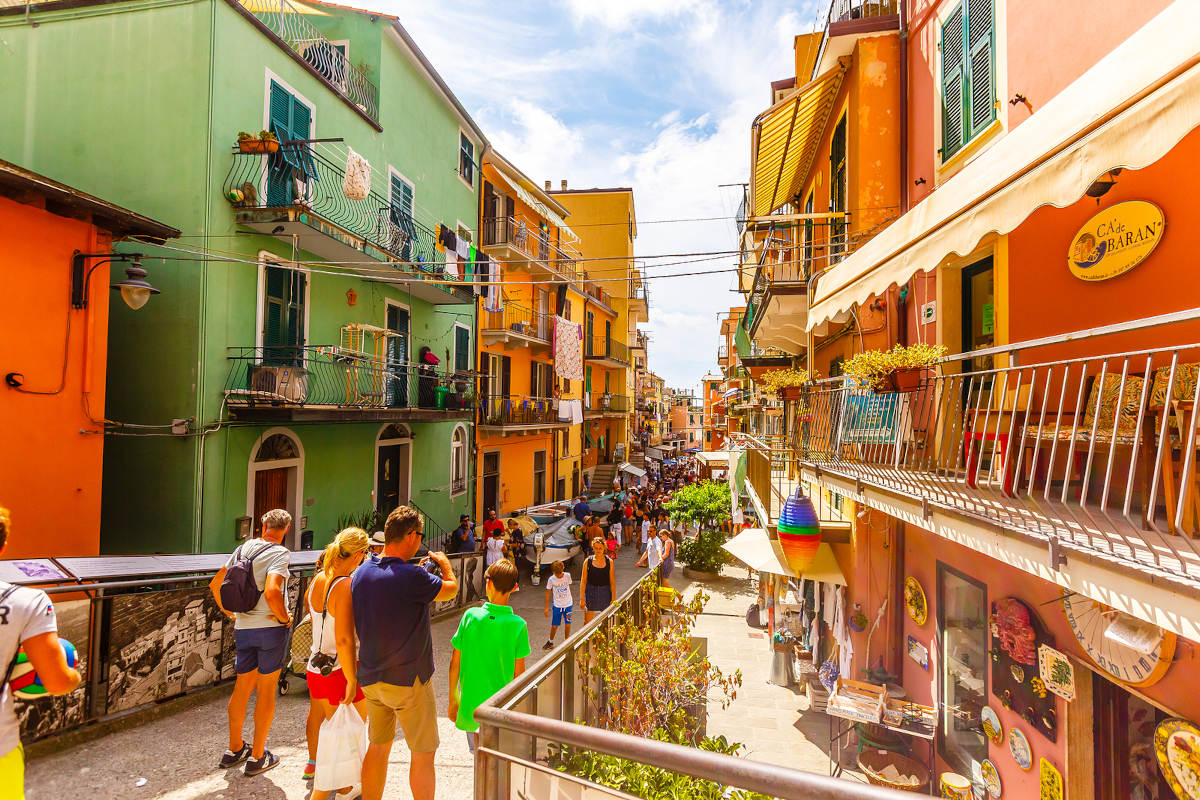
[654, 552]
[558, 592]
[26, 621]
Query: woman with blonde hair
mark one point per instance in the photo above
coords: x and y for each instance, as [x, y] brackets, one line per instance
[327, 680]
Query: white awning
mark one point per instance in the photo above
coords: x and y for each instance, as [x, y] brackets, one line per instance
[730, 392]
[714, 457]
[756, 549]
[636, 472]
[1127, 111]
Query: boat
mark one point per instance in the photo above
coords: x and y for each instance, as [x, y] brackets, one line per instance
[552, 542]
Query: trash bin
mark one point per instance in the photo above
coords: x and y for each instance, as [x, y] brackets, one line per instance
[439, 396]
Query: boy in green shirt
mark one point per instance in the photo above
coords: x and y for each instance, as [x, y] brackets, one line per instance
[489, 649]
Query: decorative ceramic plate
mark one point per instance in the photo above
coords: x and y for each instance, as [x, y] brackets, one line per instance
[914, 600]
[991, 778]
[1051, 782]
[1177, 745]
[991, 725]
[1018, 745]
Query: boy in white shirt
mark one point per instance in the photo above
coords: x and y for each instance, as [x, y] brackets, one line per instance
[558, 589]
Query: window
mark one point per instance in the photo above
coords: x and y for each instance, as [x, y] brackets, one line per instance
[968, 74]
[539, 477]
[400, 213]
[466, 158]
[808, 237]
[458, 461]
[462, 347]
[284, 308]
[837, 191]
[541, 379]
[962, 617]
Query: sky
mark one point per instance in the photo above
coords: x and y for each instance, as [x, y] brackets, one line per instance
[654, 94]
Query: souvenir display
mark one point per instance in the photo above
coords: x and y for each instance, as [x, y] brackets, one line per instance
[857, 700]
[1016, 632]
[991, 778]
[1018, 745]
[1129, 650]
[1177, 745]
[991, 725]
[914, 600]
[799, 532]
[918, 652]
[1051, 783]
[1056, 672]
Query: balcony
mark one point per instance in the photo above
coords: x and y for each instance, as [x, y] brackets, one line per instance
[327, 383]
[1080, 461]
[286, 25]
[850, 20]
[518, 415]
[516, 326]
[596, 294]
[606, 351]
[295, 195]
[518, 239]
[602, 404]
[639, 297]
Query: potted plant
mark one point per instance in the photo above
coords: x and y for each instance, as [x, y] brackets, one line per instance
[265, 142]
[784, 382]
[897, 370]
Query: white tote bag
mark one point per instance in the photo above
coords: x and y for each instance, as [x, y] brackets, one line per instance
[341, 745]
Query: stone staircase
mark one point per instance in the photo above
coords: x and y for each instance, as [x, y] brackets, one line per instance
[637, 456]
[602, 478]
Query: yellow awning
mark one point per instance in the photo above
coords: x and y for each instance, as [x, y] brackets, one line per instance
[1128, 110]
[784, 139]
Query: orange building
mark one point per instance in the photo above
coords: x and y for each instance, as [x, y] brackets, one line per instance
[55, 272]
[521, 437]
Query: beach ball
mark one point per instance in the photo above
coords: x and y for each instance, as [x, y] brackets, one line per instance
[235, 195]
[25, 683]
[799, 532]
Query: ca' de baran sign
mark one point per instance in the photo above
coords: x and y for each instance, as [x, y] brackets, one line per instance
[1115, 240]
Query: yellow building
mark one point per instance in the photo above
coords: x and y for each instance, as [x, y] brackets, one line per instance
[615, 302]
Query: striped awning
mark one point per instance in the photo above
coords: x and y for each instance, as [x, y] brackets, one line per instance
[784, 139]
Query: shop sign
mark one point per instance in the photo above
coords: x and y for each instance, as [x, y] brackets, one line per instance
[1115, 240]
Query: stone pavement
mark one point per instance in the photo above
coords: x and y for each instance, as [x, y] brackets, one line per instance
[177, 754]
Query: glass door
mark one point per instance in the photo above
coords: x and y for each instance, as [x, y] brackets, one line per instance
[962, 626]
[397, 357]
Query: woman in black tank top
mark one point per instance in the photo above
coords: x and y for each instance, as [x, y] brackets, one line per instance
[599, 581]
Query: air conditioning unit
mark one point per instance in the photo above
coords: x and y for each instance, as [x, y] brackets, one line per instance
[287, 383]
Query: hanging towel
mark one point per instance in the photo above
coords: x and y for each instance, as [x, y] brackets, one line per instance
[576, 412]
[452, 265]
[568, 353]
[469, 269]
[564, 411]
[357, 183]
[463, 248]
[493, 299]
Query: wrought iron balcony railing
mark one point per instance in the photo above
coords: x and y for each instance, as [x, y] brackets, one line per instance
[499, 410]
[597, 293]
[604, 402]
[846, 10]
[606, 347]
[532, 241]
[289, 24]
[300, 178]
[327, 376]
[517, 319]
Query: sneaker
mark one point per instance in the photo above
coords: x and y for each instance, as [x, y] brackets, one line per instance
[353, 793]
[310, 770]
[257, 766]
[232, 758]
[549, 645]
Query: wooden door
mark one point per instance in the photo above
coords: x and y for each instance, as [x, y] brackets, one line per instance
[270, 492]
[391, 482]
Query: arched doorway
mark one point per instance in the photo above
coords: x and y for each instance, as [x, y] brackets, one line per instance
[276, 480]
[393, 467]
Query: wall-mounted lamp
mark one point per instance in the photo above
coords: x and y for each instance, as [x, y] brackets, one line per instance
[135, 290]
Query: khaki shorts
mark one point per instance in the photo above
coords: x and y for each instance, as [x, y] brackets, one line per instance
[413, 706]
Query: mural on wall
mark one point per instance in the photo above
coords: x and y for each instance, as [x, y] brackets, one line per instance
[48, 715]
[1016, 632]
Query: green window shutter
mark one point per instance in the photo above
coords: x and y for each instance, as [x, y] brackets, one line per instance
[297, 284]
[954, 95]
[280, 112]
[462, 349]
[587, 379]
[980, 34]
[275, 311]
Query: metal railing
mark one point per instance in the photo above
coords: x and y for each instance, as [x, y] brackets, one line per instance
[545, 709]
[606, 347]
[638, 291]
[289, 25]
[531, 240]
[334, 377]
[1087, 450]
[517, 319]
[598, 294]
[518, 410]
[607, 402]
[722, 352]
[846, 10]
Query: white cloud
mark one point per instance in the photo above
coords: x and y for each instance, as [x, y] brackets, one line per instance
[619, 14]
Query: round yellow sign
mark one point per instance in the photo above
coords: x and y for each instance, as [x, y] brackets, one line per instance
[1115, 240]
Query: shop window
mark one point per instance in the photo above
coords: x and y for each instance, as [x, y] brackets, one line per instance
[962, 617]
[968, 79]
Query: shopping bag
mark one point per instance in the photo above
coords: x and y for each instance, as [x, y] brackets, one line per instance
[341, 745]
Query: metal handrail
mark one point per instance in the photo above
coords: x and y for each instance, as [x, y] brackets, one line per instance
[518, 319]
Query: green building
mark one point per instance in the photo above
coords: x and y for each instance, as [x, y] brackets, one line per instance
[288, 360]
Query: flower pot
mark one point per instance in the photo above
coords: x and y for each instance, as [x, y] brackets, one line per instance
[791, 392]
[903, 380]
[258, 145]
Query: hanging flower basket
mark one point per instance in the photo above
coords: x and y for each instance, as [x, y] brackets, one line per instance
[791, 392]
[265, 142]
[900, 369]
[902, 380]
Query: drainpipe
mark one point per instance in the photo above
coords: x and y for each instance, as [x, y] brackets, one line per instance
[904, 205]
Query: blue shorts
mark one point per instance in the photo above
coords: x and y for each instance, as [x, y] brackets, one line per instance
[561, 615]
[261, 649]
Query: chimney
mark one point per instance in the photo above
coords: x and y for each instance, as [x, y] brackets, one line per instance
[564, 184]
[547, 185]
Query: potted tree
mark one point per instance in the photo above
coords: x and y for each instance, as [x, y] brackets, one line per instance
[784, 382]
[705, 505]
[897, 370]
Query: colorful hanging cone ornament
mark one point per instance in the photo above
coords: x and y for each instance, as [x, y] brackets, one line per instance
[799, 532]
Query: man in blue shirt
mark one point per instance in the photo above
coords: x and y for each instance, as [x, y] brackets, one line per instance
[464, 536]
[581, 509]
[387, 612]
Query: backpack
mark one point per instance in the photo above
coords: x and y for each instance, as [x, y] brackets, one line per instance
[239, 590]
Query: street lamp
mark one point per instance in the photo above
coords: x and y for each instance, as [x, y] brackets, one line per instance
[135, 289]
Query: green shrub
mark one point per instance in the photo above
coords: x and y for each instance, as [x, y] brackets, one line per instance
[704, 553]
